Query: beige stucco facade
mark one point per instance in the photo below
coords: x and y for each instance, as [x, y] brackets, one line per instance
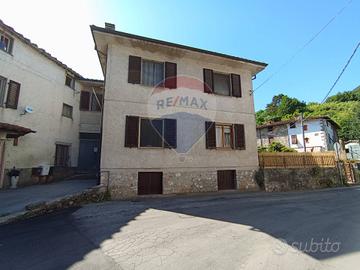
[195, 170]
[43, 89]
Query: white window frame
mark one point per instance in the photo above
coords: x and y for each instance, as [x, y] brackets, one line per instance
[3, 90]
[10, 42]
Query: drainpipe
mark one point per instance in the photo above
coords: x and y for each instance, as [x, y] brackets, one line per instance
[2, 158]
[302, 128]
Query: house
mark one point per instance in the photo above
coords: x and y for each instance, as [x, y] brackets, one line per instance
[176, 119]
[320, 134]
[352, 149]
[40, 119]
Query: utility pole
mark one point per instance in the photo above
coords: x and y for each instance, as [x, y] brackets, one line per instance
[302, 129]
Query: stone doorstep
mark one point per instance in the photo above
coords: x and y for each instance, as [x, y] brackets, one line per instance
[94, 194]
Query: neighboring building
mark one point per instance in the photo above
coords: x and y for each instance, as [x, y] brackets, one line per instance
[176, 119]
[320, 134]
[352, 149]
[91, 105]
[39, 96]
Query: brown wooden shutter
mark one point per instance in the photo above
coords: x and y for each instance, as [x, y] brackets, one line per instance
[170, 133]
[131, 131]
[239, 131]
[84, 101]
[170, 75]
[13, 95]
[236, 85]
[134, 75]
[210, 134]
[208, 81]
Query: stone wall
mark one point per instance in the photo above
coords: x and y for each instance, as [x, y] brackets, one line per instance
[123, 183]
[300, 178]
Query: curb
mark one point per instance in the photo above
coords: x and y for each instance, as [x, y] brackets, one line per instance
[90, 195]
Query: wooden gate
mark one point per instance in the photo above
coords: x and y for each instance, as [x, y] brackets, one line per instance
[226, 179]
[150, 183]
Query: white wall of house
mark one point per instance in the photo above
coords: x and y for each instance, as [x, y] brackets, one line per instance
[317, 134]
[43, 88]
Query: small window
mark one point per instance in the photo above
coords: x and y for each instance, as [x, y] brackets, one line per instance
[70, 81]
[270, 129]
[151, 132]
[293, 125]
[3, 81]
[152, 73]
[307, 140]
[224, 136]
[62, 155]
[6, 43]
[12, 98]
[221, 84]
[294, 139]
[67, 111]
[305, 127]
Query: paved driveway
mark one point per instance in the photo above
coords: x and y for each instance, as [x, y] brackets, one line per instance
[299, 230]
[15, 200]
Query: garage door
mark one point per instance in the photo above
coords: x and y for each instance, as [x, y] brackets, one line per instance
[150, 183]
[226, 179]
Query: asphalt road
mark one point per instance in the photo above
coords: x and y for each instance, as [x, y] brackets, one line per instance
[298, 230]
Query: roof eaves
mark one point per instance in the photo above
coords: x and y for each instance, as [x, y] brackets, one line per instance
[176, 45]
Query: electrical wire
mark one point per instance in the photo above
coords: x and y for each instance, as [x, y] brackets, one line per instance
[303, 47]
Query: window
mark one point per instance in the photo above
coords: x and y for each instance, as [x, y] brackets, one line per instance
[90, 102]
[293, 125]
[221, 84]
[294, 139]
[62, 155]
[2, 90]
[67, 110]
[270, 129]
[6, 43]
[224, 136]
[158, 133]
[70, 81]
[307, 140]
[13, 93]
[151, 132]
[152, 73]
[305, 127]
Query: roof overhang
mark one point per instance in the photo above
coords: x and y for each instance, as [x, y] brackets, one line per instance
[14, 131]
[103, 36]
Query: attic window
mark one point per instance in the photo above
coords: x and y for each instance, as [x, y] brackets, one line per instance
[6, 43]
[70, 81]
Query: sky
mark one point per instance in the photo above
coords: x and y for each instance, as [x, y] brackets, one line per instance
[268, 31]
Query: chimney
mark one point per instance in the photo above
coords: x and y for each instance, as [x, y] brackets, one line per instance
[110, 26]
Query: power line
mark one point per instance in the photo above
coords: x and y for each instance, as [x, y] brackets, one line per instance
[341, 73]
[303, 47]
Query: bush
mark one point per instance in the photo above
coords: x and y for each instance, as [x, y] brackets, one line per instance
[275, 147]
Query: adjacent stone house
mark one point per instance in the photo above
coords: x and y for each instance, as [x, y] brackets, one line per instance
[40, 118]
[320, 134]
[176, 119]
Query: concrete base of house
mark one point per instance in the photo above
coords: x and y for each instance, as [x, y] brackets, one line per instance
[123, 184]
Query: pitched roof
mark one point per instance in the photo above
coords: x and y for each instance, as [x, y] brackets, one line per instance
[27, 41]
[176, 45]
[285, 122]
